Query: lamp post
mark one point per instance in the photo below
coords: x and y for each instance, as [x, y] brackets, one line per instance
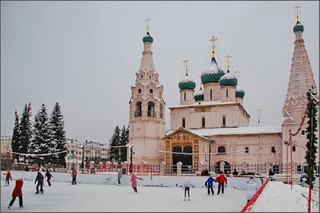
[130, 168]
[82, 159]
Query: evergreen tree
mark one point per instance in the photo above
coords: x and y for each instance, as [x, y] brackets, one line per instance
[25, 130]
[312, 138]
[58, 137]
[124, 140]
[15, 143]
[115, 141]
[41, 137]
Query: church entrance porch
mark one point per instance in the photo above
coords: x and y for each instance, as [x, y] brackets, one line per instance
[223, 166]
[184, 157]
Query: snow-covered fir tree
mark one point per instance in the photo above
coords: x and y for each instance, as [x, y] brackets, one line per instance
[58, 137]
[41, 138]
[115, 141]
[25, 130]
[15, 142]
[124, 140]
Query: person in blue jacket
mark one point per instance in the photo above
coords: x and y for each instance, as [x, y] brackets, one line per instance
[210, 184]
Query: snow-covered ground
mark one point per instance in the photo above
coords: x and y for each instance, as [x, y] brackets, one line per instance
[94, 194]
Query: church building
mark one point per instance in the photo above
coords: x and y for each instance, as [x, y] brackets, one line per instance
[209, 129]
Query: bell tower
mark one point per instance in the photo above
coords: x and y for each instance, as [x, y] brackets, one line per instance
[147, 110]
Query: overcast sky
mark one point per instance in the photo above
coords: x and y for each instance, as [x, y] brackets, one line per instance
[85, 54]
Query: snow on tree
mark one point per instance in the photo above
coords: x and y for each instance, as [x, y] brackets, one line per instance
[25, 130]
[115, 141]
[58, 137]
[41, 138]
[15, 143]
[124, 140]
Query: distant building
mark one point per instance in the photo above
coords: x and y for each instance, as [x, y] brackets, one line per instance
[85, 153]
[6, 147]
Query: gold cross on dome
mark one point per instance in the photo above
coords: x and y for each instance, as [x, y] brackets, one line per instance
[186, 61]
[148, 23]
[213, 39]
[298, 16]
[228, 61]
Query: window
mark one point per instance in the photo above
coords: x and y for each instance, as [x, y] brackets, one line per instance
[151, 112]
[151, 90]
[227, 93]
[293, 148]
[141, 76]
[210, 94]
[203, 122]
[161, 111]
[224, 121]
[139, 90]
[138, 112]
[221, 150]
[183, 122]
[273, 149]
[246, 149]
[184, 96]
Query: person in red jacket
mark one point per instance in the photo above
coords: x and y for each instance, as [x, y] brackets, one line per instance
[17, 192]
[8, 176]
[222, 179]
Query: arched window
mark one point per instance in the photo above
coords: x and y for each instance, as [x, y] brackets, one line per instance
[224, 120]
[161, 111]
[151, 112]
[139, 90]
[183, 122]
[221, 150]
[210, 94]
[184, 96]
[203, 123]
[138, 111]
[151, 90]
[227, 93]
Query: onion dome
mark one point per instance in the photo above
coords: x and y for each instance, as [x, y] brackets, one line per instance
[198, 96]
[147, 38]
[298, 27]
[240, 93]
[187, 83]
[228, 80]
[212, 74]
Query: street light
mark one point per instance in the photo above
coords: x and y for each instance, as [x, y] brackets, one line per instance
[82, 147]
[130, 168]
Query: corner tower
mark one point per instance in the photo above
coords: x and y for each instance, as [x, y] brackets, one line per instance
[147, 110]
[301, 79]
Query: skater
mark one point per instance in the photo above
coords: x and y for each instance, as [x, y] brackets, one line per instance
[8, 176]
[222, 179]
[119, 176]
[48, 175]
[39, 179]
[134, 182]
[186, 185]
[251, 189]
[210, 184]
[74, 177]
[17, 192]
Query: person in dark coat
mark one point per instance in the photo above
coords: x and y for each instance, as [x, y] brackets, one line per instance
[209, 184]
[222, 179]
[74, 177]
[39, 179]
[17, 192]
[48, 175]
[8, 176]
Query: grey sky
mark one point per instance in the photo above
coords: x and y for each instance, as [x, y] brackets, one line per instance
[85, 55]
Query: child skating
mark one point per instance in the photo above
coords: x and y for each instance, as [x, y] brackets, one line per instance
[186, 185]
[17, 192]
[133, 181]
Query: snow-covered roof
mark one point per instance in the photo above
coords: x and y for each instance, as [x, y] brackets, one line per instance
[234, 131]
[204, 103]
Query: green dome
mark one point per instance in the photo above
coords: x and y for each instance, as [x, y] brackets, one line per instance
[212, 74]
[187, 84]
[198, 96]
[228, 80]
[147, 38]
[298, 27]
[240, 93]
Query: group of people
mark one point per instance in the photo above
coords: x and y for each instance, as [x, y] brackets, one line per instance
[17, 191]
